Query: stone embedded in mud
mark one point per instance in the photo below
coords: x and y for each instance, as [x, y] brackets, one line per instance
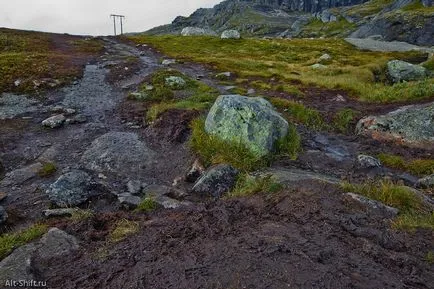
[64, 212]
[71, 189]
[175, 82]
[121, 153]
[54, 121]
[56, 243]
[403, 71]
[250, 120]
[129, 201]
[374, 205]
[230, 34]
[216, 181]
[365, 162]
[3, 215]
[21, 175]
[426, 182]
[412, 125]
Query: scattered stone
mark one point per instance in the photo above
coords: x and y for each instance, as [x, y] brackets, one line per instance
[149, 87]
[251, 120]
[70, 111]
[230, 34]
[129, 201]
[251, 91]
[216, 181]
[168, 61]
[160, 190]
[195, 172]
[54, 121]
[175, 82]
[21, 175]
[196, 31]
[324, 59]
[399, 71]
[65, 212]
[366, 162]
[3, 215]
[134, 187]
[426, 182]
[80, 118]
[17, 82]
[71, 189]
[170, 203]
[56, 243]
[339, 98]
[223, 75]
[412, 125]
[121, 153]
[318, 66]
[374, 205]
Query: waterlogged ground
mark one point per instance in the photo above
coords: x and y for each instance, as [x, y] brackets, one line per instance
[309, 235]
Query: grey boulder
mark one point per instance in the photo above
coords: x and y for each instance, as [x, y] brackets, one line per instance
[426, 182]
[196, 31]
[230, 34]
[216, 181]
[71, 189]
[399, 71]
[365, 162]
[250, 120]
[54, 121]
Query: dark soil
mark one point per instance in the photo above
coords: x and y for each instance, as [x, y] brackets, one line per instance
[298, 239]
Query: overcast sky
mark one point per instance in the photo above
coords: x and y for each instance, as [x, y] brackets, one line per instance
[92, 17]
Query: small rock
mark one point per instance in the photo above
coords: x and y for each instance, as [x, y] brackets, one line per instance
[54, 121]
[230, 34]
[56, 243]
[216, 181]
[134, 187]
[426, 182]
[196, 31]
[129, 201]
[223, 75]
[168, 61]
[251, 91]
[375, 205]
[57, 109]
[3, 215]
[325, 58]
[177, 181]
[69, 111]
[175, 82]
[66, 212]
[149, 87]
[365, 162]
[339, 98]
[17, 82]
[71, 189]
[318, 66]
[195, 172]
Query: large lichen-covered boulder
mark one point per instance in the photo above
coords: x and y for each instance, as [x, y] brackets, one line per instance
[230, 34]
[196, 31]
[403, 71]
[252, 121]
[412, 125]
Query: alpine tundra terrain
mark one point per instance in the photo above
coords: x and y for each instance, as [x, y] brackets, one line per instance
[219, 160]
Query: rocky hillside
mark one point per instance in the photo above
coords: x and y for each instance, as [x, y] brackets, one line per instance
[405, 20]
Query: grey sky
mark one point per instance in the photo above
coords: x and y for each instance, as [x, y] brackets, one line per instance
[92, 16]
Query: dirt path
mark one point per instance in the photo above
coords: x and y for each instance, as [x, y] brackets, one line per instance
[309, 236]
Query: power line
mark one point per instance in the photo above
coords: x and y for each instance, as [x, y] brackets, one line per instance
[121, 18]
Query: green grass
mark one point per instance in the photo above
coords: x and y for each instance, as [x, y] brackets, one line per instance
[430, 257]
[48, 169]
[368, 8]
[417, 7]
[343, 119]
[123, 229]
[214, 150]
[413, 221]
[352, 70]
[147, 205]
[419, 167]
[299, 113]
[81, 215]
[317, 28]
[11, 241]
[248, 185]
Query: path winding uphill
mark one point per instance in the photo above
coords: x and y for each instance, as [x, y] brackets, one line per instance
[310, 235]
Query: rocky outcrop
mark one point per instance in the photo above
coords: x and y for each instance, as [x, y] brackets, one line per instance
[411, 125]
[399, 70]
[251, 121]
[230, 34]
[196, 31]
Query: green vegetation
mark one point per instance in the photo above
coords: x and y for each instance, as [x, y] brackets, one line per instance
[419, 167]
[81, 215]
[429, 64]
[123, 229]
[417, 7]
[194, 95]
[147, 205]
[368, 8]
[214, 150]
[48, 169]
[27, 56]
[288, 61]
[413, 214]
[299, 113]
[11, 241]
[248, 185]
[317, 28]
[343, 119]
[430, 257]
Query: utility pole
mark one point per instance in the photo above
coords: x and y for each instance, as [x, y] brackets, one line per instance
[121, 18]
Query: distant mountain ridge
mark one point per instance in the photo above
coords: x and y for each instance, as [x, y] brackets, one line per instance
[405, 20]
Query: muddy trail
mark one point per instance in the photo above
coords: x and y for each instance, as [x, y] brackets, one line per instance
[310, 235]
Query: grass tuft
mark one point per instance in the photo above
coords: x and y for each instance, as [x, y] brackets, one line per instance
[343, 119]
[48, 169]
[248, 185]
[11, 241]
[123, 229]
[419, 167]
[147, 205]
